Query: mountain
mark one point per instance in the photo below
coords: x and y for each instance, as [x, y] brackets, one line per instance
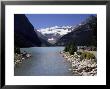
[24, 34]
[83, 34]
[43, 39]
[53, 34]
[56, 30]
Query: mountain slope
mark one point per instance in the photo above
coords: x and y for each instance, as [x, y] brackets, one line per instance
[53, 34]
[24, 34]
[43, 39]
[84, 34]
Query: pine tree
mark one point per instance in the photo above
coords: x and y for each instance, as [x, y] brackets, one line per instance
[17, 50]
[73, 48]
[67, 47]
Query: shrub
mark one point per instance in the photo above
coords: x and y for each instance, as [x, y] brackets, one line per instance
[83, 55]
[79, 53]
[90, 56]
[16, 50]
[87, 55]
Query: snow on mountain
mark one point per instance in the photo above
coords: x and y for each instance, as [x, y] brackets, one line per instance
[56, 30]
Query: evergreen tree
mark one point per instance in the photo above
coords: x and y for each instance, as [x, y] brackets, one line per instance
[17, 50]
[73, 48]
[67, 47]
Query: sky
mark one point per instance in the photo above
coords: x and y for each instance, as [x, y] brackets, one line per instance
[49, 20]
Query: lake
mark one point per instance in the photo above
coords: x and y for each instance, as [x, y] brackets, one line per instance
[45, 61]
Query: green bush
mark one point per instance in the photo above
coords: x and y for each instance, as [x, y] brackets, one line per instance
[83, 55]
[87, 55]
[16, 50]
[79, 53]
[90, 56]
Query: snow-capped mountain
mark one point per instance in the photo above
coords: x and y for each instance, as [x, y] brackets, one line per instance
[83, 33]
[56, 32]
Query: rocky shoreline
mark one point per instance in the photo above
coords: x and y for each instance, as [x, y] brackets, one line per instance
[18, 58]
[81, 67]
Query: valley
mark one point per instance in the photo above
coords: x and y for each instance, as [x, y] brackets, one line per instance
[82, 34]
[64, 50]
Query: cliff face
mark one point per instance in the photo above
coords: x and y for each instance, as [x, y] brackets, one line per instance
[24, 34]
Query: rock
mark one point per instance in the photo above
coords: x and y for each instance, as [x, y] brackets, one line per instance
[89, 65]
[23, 58]
[69, 69]
[93, 65]
[28, 55]
[85, 74]
[80, 67]
[17, 60]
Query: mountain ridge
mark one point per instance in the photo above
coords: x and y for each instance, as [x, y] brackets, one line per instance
[84, 33]
[22, 30]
